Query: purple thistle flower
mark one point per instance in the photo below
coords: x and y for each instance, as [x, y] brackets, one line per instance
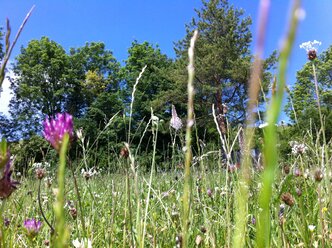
[55, 129]
[176, 122]
[7, 186]
[32, 227]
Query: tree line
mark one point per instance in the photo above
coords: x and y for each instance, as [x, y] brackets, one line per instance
[89, 83]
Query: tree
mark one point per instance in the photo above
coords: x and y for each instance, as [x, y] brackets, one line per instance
[222, 64]
[39, 85]
[303, 95]
[153, 83]
[89, 65]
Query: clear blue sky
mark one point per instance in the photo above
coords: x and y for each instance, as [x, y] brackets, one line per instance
[117, 23]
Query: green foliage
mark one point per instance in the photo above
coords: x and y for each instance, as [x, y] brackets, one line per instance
[304, 96]
[93, 70]
[26, 152]
[152, 85]
[40, 86]
[222, 65]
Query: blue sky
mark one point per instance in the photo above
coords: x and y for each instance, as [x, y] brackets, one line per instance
[117, 23]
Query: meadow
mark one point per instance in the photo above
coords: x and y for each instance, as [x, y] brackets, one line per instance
[255, 187]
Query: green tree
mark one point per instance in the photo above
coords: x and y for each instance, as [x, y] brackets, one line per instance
[303, 95]
[222, 64]
[39, 85]
[93, 70]
[153, 83]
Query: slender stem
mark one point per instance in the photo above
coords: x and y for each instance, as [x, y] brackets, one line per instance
[2, 233]
[188, 156]
[78, 197]
[132, 102]
[41, 209]
[242, 192]
[60, 225]
[9, 49]
[129, 209]
[155, 136]
[321, 214]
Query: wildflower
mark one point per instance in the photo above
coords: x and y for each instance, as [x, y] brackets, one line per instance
[43, 165]
[84, 243]
[286, 169]
[198, 240]
[311, 228]
[209, 192]
[253, 220]
[40, 173]
[87, 174]
[124, 153]
[288, 199]
[178, 241]
[297, 172]
[298, 148]
[306, 174]
[6, 222]
[298, 191]
[55, 129]
[73, 212]
[318, 175]
[48, 182]
[176, 122]
[7, 186]
[234, 167]
[32, 227]
[324, 209]
[311, 47]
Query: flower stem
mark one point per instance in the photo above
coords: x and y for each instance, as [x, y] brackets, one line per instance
[41, 210]
[78, 198]
[60, 226]
[188, 156]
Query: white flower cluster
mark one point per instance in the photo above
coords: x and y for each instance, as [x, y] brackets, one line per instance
[310, 45]
[83, 243]
[87, 174]
[298, 148]
[41, 165]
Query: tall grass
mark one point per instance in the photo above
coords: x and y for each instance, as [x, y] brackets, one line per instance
[210, 203]
[186, 199]
[270, 138]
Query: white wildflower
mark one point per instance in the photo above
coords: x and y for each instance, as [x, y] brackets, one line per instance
[298, 148]
[311, 228]
[84, 243]
[41, 165]
[310, 45]
[176, 122]
[87, 174]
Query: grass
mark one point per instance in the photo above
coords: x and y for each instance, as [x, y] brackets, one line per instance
[210, 203]
[105, 210]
